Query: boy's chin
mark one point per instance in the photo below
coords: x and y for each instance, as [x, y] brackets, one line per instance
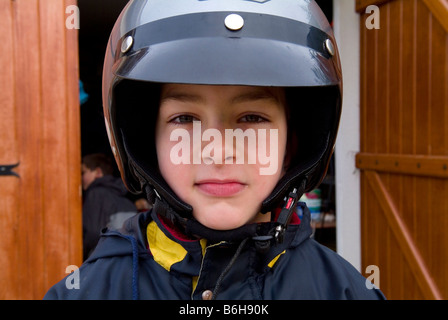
[212, 223]
[223, 219]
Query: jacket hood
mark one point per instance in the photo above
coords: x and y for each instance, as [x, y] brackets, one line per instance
[117, 242]
[131, 240]
[123, 241]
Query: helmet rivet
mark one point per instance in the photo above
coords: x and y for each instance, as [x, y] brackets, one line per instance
[234, 22]
[328, 44]
[127, 44]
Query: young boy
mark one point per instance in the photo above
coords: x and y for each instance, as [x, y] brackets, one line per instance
[223, 113]
[105, 201]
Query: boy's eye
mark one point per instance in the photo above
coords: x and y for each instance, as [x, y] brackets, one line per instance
[183, 119]
[253, 118]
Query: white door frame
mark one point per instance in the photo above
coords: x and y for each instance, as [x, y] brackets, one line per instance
[348, 195]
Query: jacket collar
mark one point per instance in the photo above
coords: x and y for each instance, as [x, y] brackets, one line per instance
[116, 242]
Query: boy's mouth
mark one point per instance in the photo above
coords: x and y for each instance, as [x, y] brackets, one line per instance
[220, 188]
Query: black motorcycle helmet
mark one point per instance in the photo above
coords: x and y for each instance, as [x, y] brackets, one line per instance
[280, 43]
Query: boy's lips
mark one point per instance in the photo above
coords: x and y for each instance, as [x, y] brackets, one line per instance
[220, 188]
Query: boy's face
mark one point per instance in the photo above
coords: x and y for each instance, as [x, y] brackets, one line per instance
[88, 176]
[204, 164]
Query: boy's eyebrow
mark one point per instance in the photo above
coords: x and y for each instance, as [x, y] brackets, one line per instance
[184, 97]
[254, 96]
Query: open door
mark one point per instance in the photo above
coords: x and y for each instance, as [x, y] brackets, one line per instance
[404, 147]
[40, 193]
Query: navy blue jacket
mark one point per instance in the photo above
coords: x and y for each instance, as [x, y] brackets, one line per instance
[147, 259]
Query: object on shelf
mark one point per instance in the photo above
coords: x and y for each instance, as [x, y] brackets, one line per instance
[313, 201]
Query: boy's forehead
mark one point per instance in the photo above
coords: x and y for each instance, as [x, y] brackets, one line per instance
[234, 94]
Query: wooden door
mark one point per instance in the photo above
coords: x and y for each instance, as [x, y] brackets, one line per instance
[40, 206]
[404, 147]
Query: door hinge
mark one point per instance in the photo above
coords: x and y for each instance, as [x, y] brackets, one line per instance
[6, 170]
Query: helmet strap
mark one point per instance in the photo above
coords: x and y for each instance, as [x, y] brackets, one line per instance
[290, 204]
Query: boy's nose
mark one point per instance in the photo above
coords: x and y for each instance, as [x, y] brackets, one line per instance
[214, 138]
[222, 152]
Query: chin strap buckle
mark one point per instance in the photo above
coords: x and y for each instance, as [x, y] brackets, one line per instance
[285, 215]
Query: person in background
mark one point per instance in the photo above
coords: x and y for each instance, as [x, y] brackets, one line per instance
[105, 203]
